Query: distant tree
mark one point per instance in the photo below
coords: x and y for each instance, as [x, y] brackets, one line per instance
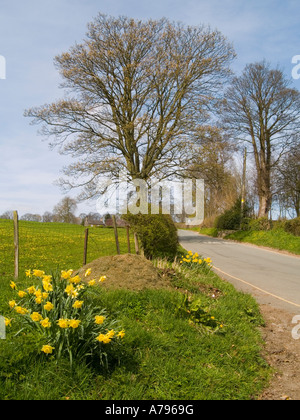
[212, 160]
[9, 215]
[137, 90]
[64, 211]
[288, 181]
[29, 217]
[47, 217]
[261, 109]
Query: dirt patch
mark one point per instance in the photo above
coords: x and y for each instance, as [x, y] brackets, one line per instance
[282, 352]
[131, 272]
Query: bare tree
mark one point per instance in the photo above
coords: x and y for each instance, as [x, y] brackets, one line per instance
[212, 160]
[263, 110]
[137, 90]
[64, 211]
[288, 181]
[47, 217]
[9, 214]
[29, 217]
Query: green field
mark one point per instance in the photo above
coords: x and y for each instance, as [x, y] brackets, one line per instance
[49, 245]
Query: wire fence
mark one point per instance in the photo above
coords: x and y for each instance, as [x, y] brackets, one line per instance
[47, 246]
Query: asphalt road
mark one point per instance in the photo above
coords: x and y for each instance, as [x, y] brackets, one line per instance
[271, 277]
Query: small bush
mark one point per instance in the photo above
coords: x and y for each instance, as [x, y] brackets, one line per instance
[293, 226]
[157, 233]
[231, 219]
[262, 223]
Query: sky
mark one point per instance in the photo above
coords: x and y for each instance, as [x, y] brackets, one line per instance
[33, 32]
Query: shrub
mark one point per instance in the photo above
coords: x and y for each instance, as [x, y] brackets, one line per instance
[57, 311]
[157, 233]
[231, 219]
[293, 226]
[263, 223]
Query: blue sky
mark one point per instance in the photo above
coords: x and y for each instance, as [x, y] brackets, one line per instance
[33, 32]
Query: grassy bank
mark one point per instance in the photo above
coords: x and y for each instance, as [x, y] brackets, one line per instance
[276, 238]
[166, 353]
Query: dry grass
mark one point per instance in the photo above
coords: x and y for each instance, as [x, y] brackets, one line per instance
[131, 272]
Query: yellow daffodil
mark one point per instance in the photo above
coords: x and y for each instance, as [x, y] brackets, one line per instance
[99, 320]
[47, 349]
[48, 306]
[110, 334]
[63, 323]
[47, 286]
[74, 323]
[78, 304]
[28, 273]
[92, 282]
[7, 322]
[45, 323]
[20, 310]
[88, 272]
[38, 273]
[75, 280]
[121, 334]
[102, 279]
[31, 290]
[36, 317]
[103, 339]
[22, 294]
[13, 285]
[12, 304]
[71, 291]
[66, 274]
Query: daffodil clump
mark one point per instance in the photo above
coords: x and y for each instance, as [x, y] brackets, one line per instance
[57, 309]
[193, 259]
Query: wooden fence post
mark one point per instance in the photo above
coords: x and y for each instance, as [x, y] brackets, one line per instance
[116, 235]
[16, 243]
[128, 240]
[136, 243]
[86, 237]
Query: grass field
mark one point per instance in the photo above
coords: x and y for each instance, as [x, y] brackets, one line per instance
[164, 355]
[49, 245]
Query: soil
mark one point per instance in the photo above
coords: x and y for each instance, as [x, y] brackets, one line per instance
[282, 351]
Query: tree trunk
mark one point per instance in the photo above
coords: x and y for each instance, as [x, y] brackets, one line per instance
[264, 206]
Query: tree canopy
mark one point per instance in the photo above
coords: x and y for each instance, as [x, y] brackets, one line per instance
[136, 91]
[262, 109]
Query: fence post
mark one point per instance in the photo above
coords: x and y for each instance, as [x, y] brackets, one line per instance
[136, 243]
[85, 246]
[128, 240]
[16, 243]
[116, 234]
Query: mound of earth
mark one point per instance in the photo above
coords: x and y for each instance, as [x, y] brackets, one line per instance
[129, 271]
